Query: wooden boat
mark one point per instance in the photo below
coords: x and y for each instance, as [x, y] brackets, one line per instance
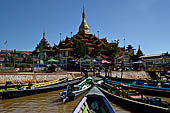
[133, 101]
[145, 89]
[76, 90]
[39, 88]
[94, 102]
[164, 84]
[9, 84]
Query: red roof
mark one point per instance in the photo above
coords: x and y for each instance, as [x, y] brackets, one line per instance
[104, 56]
[91, 48]
[104, 40]
[122, 48]
[22, 52]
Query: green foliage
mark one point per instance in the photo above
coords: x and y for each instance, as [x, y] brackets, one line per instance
[134, 58]
[80, 49]
[8, 71]
[95, 52]
[111, 50]
[22, 66]
[8, 65]
[27, 59]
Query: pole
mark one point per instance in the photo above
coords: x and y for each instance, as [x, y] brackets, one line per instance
[6, 50]
[33, 63]
[121, 74]
[14, 57]
[71, 34]
[80, 64]
[60, 37]
[66, 62]
[124, 42]
[98, 33]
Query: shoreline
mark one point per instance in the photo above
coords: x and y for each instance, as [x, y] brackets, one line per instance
[25, 77]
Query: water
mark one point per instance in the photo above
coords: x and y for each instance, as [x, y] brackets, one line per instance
[44, 103]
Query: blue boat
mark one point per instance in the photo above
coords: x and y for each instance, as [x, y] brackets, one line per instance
[145, 89]
[94, 102]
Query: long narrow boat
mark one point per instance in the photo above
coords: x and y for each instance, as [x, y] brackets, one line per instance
[149, 90]
[136, 103]
[76, 90]
[164, 84]
[39, 88]
[94, 102]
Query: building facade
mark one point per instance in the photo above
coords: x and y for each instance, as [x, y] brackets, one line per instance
[65, 50]
[159, 62]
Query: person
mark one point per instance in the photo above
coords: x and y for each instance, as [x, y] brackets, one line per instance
[105, 69]
[29, 84]
[19, 85]
[69, 89]
[94, 70]
[110, 71]
[85, 71]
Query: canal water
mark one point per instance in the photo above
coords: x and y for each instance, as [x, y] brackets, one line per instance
[44, 103]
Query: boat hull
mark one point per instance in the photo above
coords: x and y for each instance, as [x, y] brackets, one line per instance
[154, 91]
[94, 101]
[21, 93]
[134, 105]
[73, 94]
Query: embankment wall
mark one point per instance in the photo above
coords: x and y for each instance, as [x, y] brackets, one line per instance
[25, 77]
[130, 74]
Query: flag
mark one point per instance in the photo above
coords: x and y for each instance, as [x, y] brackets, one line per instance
[5, 42]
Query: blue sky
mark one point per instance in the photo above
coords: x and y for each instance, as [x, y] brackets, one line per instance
[144, 22]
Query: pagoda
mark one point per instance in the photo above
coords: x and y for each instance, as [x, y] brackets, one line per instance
[47, 49]
[65, 46]
[139, 52]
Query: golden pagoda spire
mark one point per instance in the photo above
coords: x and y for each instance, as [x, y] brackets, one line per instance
[43, 35]
[84, 28]
[84, 16]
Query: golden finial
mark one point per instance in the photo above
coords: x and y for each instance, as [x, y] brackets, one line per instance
[84, 16]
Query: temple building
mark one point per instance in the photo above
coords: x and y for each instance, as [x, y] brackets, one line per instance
[139, 52]
[157, 62]
[48, 51]
[65, 47]
[64, 50]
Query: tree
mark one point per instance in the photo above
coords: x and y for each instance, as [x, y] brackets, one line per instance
[28, 59]
[95, 52]
[112, 49]
[80, 48]
[134, 58]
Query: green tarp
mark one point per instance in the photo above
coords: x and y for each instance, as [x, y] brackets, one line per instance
[52, 61]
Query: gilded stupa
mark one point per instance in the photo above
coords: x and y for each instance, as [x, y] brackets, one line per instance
[84, 28]
[65, 48]
[83, 34]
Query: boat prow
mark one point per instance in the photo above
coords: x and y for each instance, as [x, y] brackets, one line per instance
[72, 92]
[94, 101]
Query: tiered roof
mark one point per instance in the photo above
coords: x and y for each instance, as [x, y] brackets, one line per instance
[46, 45]
[55, 47]
[139, 52]
[83, 34]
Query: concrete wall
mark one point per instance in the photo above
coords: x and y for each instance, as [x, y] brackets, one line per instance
[25, 77]
[130, 74]
[40, 77]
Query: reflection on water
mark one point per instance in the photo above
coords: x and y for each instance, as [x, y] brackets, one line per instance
[43, 103]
